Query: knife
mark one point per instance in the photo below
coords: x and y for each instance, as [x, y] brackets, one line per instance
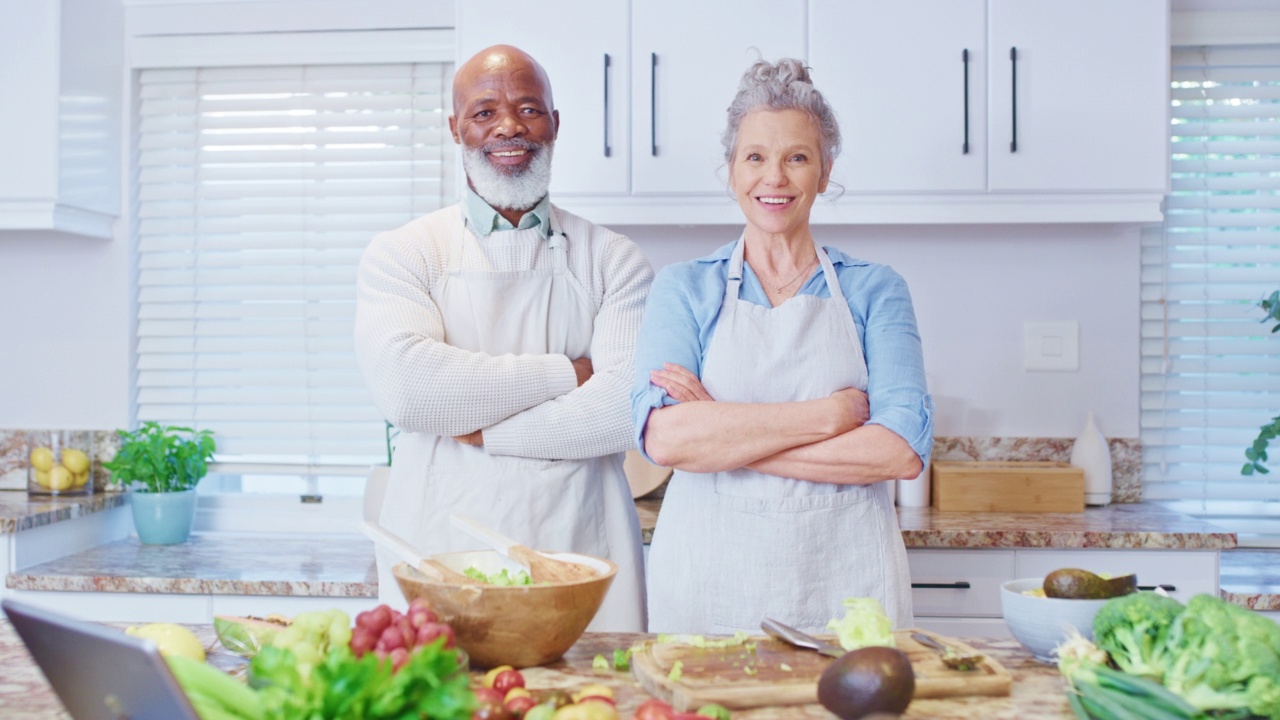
[792, 636]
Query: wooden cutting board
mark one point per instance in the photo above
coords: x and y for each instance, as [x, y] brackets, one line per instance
[766, 672]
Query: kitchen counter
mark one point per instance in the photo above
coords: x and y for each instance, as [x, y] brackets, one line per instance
[1038, 690]
[19, 511]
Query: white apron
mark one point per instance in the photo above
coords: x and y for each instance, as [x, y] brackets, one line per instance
[563, 505]
[733, 548]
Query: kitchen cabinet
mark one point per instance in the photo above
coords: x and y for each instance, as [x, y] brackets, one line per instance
[966, 109]
[60, 131]
[957, 591]
[642, 91]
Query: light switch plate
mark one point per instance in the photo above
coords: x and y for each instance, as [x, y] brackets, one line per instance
[1051, 345]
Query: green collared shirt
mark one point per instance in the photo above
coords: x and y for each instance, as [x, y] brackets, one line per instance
[484, 219]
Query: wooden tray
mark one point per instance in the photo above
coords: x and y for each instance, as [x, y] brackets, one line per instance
[769, 672]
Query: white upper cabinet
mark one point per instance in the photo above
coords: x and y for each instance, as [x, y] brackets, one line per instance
[582, 44]
[907, 80]
[1089, 110]
[937, 130]
[687, 61]
[60, 138]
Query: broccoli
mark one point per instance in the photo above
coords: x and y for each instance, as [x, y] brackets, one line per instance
[1225, 658]
[1133, 629]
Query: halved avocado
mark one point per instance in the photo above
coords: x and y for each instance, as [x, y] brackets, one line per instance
[1077, 584]
[247, 635]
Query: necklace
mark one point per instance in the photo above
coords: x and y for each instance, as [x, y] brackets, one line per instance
[779, 288]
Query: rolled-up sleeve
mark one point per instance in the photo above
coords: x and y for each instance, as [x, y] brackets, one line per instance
[896, 386]
[669, 333]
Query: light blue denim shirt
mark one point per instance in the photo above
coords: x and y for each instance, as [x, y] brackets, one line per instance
[484, 219]
[684, 305]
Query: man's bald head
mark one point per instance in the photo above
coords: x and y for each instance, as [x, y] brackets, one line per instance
[502, 60]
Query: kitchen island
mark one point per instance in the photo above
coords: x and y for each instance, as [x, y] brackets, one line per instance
[1039, 693]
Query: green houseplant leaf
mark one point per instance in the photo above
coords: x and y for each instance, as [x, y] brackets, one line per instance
[162, 458]
[1256, 454]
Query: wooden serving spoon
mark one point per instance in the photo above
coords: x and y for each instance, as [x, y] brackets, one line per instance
[430, 567]
[542, 567]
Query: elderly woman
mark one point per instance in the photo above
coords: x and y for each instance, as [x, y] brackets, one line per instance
[784, 382]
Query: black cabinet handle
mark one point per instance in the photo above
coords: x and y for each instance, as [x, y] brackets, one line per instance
[959, 585]
[1013, 62]
[964, 56]
[1166, 588]
[606, 105]
[653, 104]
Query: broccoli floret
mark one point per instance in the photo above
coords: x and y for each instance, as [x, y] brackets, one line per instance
[1225, 658]
[1133, 629]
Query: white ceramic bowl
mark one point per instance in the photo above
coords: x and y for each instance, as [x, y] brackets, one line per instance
[1041, 623]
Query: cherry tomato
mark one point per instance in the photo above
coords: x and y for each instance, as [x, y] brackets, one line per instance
[654, 710]
[508, 679]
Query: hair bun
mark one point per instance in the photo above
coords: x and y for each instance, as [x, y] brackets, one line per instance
[785, 72]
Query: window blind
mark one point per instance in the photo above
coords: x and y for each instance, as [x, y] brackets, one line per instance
[258, 189]
[1210, 366]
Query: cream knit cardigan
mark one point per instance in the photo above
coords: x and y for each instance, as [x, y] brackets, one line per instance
[527, 405]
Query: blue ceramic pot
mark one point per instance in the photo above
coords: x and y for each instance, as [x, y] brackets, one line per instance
[163, 518]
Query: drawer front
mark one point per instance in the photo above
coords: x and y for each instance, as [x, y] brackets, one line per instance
[1182, 573]
[958, 583]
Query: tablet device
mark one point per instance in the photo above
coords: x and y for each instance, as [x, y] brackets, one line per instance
[98, 672]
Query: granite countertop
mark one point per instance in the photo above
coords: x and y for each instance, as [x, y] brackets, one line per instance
[19, 511]
[1039, 693]
[343, 565]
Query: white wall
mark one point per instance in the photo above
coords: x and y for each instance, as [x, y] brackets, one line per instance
[973, 287]
[65, 331]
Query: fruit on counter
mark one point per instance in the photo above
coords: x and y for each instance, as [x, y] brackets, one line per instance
[1077, 584]
[60, 478]
[77, 461]
[42, 478]
[386, 632]
[492, 675]
[867, 680]
[311, 634]
[246, 635]
[42, 459]
[592, 690]
[172, 640]
[508, 680]
[864, 624]
[655, 709]
[586, 711]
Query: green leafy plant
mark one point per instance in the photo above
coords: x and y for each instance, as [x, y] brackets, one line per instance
[1256, 453]
[162, 458]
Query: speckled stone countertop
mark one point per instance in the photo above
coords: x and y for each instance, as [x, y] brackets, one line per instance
[1251, 578]
[19, 511]
[1039, 693]
[215, 564]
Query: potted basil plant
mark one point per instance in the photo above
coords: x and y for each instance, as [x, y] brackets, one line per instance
[162, 464]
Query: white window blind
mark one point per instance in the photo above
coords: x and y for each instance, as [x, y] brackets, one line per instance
[1210, 366]
[258, 190]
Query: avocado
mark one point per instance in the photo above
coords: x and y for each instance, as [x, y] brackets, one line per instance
[867, 681]
[1077, 584]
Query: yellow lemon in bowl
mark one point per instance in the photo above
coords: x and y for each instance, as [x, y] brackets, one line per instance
[77, 461]
[60, 478]
[171, 639]
[42, 459]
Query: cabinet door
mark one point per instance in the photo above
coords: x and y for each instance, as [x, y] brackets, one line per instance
[588, 72]
[1091, 95]
[687, 60]
[911, 107]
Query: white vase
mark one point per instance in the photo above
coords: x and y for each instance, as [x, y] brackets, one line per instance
[1091, 454]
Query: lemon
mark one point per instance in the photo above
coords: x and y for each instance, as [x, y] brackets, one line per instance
[60, 478]
[75, 460]
[80, 479]
[172, 640]
[42, 459]
[42, 478]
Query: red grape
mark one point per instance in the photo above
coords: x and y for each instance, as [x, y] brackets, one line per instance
[390, 639]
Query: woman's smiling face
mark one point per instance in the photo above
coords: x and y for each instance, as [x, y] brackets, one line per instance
[777, 169]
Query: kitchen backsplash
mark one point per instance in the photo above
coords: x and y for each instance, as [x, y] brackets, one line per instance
[1126, 457]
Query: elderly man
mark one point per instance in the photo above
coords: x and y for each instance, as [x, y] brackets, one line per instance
[498, 335]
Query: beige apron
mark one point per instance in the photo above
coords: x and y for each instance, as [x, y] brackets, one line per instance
[733, 548]
[564, 505]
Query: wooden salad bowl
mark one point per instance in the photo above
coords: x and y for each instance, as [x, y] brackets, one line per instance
[517, 625]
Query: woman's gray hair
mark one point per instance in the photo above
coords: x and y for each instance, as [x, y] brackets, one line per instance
[782, 86]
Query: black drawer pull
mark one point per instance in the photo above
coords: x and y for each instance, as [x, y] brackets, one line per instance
[653, 104]
[607, 149]
[1013, 63]
[964, 57]
[1166, 588]
[959, 585]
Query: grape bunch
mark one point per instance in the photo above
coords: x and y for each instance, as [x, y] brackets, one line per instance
[388, 633]
[310, 635]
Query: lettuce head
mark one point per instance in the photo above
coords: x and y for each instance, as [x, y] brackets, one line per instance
[864, 624]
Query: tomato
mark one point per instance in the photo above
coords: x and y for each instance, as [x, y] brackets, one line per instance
[489, 676]
[521, 705]
[654, 710]
[507, 679]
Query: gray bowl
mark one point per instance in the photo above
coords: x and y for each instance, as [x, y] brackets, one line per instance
[1042, 624]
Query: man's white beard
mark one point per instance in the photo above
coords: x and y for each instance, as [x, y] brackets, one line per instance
[520, 190]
